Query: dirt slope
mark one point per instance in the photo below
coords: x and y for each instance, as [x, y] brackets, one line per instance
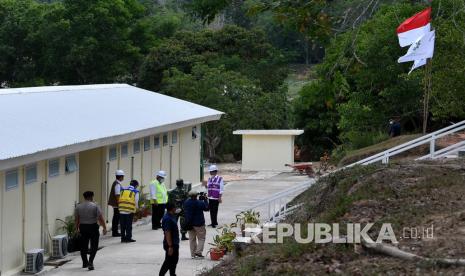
[412, 195]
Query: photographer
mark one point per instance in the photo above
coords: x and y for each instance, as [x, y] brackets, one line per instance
[195, 222]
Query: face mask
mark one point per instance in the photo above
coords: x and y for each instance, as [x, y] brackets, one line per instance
[162, 180]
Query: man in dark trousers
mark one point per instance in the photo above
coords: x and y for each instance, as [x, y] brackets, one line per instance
[177, 197]
[170, 241]
[215, 187]
[87, 214]
[113, 202]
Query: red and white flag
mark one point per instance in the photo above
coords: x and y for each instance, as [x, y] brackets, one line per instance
[414, 27]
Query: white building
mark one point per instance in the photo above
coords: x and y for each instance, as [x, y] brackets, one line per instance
[267, 149]
[57, 142]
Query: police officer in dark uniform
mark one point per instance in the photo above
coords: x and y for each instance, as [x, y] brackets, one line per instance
[177, 197]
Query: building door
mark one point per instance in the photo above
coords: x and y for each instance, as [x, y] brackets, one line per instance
[92, 174]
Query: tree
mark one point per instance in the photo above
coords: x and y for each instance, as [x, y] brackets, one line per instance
[245, 104]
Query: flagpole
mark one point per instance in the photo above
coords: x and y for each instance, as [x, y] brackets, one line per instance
[427, 93]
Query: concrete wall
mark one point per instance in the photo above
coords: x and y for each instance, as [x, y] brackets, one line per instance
[267, 152]
[62, 196]
[12, 242]
[189, 155]
[91, 170]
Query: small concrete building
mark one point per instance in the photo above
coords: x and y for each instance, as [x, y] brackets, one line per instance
[57, 142]
[267, 150]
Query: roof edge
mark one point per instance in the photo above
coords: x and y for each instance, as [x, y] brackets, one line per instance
[293, 132]
[14, 162]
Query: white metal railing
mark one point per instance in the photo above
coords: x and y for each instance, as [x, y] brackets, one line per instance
[426, 139]
[450, 150]
[276, 206]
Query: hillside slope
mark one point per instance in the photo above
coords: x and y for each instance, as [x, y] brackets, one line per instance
[407, 195]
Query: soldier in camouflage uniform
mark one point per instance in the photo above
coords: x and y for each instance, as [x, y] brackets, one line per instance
[177, 197]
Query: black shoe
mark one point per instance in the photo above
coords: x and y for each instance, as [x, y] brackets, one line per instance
[85, 265]
[200, 256]
[184, 238]
[91, 267]
[155, 228]
[124, 240]
[130, 240]
[116, 235]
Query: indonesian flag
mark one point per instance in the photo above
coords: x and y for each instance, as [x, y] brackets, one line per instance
[423, 48]
[414, 27]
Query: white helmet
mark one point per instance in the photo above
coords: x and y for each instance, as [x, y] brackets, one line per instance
[119, 173]
[161, 174]
[212, 168]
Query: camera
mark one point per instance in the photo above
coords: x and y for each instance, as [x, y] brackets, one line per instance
[202, 196]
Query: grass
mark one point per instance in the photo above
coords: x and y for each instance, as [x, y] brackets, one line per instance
[359, 154]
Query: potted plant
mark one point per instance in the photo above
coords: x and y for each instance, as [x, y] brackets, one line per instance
[69, 226]
[248, 217]
[222, 243]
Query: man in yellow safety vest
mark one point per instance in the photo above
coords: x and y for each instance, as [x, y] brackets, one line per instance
[128, 203]
[158, 199]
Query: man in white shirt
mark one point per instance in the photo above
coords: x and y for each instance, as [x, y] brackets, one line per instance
[215, 188]
[158, 198]
[113, 201]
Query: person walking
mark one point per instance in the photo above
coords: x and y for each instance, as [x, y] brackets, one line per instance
[177, 197]
[215, 188]
[113, 201]
[170, 241]
[87, 216]
[128, 204]
[158, 198]
[195, 223]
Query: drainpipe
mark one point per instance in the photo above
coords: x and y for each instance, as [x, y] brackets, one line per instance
[132, 167]
[171, 164]
[107, 179]
[202, 133]
[23, 211]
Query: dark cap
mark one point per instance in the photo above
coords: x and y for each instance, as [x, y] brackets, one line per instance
[179, 182]
[134, 183]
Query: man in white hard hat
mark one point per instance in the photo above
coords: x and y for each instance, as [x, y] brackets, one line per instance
[158, 198]
[113, 202]
[215, 188]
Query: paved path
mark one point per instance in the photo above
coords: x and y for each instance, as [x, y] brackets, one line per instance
[145, 256]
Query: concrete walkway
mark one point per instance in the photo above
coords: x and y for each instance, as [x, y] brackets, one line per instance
[145, 256]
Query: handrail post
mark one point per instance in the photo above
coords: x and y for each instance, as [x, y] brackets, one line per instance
[432, 144]
[386, 158]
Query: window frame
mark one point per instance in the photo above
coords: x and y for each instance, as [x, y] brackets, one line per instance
[147, 141]
[126, 152]
[71, 157]
[156, 141]
[194, 133]
[26, 171]
[134, 143]
[57, 160]
[110, 149]
[165, 141]
[9, 187]
[174, 137]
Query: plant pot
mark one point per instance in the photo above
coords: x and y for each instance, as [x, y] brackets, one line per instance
[215, 254]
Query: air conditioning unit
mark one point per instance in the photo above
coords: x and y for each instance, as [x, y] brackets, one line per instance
[59, 246]
[34, 261]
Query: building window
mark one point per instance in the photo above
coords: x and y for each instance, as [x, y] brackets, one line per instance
[194, 133]
[11, 180]
[112, 153]
[136, 146]
[146, 143]
[54, 167]
[174, 137]
[70, 164]
[124, 150]
[156, 141]
[165, 139]
[31, 174]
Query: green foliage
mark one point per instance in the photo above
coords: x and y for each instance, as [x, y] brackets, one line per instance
[224, 240]
[232, 70]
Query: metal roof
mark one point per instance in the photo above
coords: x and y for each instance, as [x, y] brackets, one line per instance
[269, 132]
[74, 118]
